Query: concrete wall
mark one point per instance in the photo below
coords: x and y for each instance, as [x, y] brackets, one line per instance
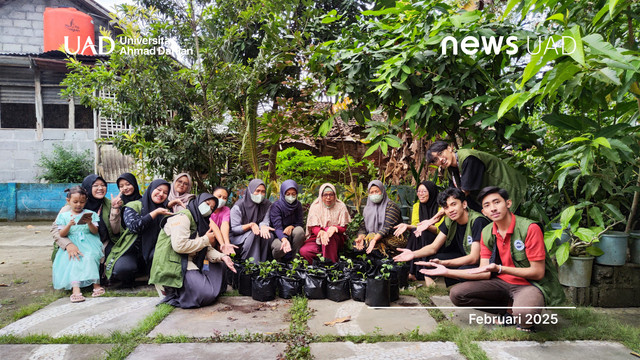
[20, 150]
[25, 202]
[21, 24]
[611, 286]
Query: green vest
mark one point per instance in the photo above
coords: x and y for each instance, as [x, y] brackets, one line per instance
[498, 173]
[167, 267]
[124, 242]
[452, 226]
[548, 285]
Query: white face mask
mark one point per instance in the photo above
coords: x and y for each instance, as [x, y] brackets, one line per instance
[204, 209]
[221, 203]
[376, 198]
[290, 199]
[257, 198]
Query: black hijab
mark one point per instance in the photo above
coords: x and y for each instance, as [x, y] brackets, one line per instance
[252, 212]
[149, 236]
[202, 222]
[92, 204]
[136, 190]
[430, 208]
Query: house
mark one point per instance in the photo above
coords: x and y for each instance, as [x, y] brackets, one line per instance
[33, 116]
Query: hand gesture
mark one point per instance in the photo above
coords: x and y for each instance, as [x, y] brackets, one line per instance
[488, 268]
[255, 229]
[227, 261]
[72, 221]
[265, 231]
[438, 270]
[228, 249]
[405, 255]
[372, 245]
[74, 252]
[287, 231]
[359, 242]
[116, 202]
[400, 229]
[211, 236]
[286, 246]
[324, 238]
[331, 231]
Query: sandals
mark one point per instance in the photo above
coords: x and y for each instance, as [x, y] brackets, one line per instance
[97, 292]
[76, 298]
[530, 329]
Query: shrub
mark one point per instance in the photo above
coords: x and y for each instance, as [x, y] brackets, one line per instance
[65, 165]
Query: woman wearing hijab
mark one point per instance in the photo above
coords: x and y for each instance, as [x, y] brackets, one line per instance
[133, 253]
[286, 219]
[129, 191]
[97, 202]
[180, 193]
[424, 209]
[381, 215]
[326, 224]
[186, 266]
[250, 229]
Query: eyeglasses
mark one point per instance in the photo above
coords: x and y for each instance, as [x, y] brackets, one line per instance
[98, 186]
[329, 195]
[185, 183]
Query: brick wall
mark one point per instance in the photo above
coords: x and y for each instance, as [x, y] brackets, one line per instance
[611, 286]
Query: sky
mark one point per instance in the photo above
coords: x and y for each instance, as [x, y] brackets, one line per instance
[109, 4]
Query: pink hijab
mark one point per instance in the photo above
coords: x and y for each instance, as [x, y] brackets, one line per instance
[173, 194]
[320, 215]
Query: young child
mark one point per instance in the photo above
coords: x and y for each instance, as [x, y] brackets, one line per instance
[81, 227]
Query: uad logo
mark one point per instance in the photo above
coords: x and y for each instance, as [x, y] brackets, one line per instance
[72, 27]
[89, 47]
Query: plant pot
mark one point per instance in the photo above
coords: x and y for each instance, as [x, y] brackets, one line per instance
[403, 275]
[358, 289]
[289, 287]
[614, 246]
[634, 246]
[338, 290]
[315, 286]
[233, 277]
[244, 283]
[576, 271]
[377, 293]
[263, 289]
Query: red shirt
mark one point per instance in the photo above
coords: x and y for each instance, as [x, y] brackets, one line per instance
[534, 248]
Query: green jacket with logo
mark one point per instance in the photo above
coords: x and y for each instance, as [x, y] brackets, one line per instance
[473, 216]
[548, 285]
[497, 173]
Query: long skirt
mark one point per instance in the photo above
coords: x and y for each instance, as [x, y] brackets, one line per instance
[311, 249]
[199, 288]
[416, 243]
[253, 246]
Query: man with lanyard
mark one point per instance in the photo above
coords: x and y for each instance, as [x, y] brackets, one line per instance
[458, 243]
[471, 170]
[512, 248]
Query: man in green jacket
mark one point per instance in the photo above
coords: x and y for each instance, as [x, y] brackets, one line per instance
[515, 265]
[458, 242]
[471, 170]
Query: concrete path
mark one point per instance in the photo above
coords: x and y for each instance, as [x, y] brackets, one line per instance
[99, 316]
[208, 351]
[231, 314]
[365, 320]
[53, 352]
[388, 350]
[578, 350]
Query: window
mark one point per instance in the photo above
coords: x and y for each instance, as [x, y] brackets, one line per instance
[84, 117]
[17, 107]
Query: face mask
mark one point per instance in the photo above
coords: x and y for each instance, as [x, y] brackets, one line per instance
[221, 203]
[257, 198]
[204, 209]
[290, 199]
[376, 199]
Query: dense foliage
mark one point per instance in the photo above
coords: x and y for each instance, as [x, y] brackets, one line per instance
[64, 165]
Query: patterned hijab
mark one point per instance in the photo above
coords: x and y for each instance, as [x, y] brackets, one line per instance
[320, 215]
[129, 177]
[430, 208]
[374, 213]
[252, 212]
[185, 197]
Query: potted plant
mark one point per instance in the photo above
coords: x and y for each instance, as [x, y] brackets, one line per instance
[338, 286]
[263, 286]
[289, 282]
[249, 268]
[315, 283]
[378, 287]
[359, 286]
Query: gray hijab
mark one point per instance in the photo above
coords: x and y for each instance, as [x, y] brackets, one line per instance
[374, 213]
[252, 212]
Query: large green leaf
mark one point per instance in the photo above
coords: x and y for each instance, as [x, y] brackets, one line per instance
[540, 57]
[600, 46]
[578, 53]
[567, 122]
[615, 211]
[594, 250]
[595, 214]
[562, 253]
[566, 216]
[508, 103]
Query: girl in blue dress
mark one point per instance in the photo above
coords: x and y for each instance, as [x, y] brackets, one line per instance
[81, 227]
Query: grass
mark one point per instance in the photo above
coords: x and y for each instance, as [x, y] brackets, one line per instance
[299, 339]
[38, 304]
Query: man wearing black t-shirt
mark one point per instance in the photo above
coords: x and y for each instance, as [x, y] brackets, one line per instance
[457, 245]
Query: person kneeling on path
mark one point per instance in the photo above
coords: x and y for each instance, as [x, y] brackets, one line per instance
[187, 267]
[458, 243]
[514, 263]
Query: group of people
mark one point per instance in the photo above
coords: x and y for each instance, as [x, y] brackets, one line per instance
[184, 241]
